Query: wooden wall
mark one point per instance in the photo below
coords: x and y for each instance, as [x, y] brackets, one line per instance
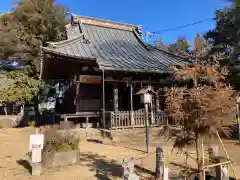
[89, 98]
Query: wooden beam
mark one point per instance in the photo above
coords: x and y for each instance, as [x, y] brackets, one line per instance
[136, 81]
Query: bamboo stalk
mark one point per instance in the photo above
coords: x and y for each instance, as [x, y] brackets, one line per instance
[199, 157]
[186, 161]
[189, 156]
[197, 151]
[202, 149]
[226, 154]
[217, 164]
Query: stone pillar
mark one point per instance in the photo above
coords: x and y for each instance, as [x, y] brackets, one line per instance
[159, 163]
[213, 152]
[36, 161]
[213, 158]
[128, 169]
[221, 171]
[36, 169]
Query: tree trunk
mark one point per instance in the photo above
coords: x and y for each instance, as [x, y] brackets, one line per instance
[36, 105]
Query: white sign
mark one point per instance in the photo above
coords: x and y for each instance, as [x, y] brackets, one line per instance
[36, 155]
[36, 141]
[165, 174]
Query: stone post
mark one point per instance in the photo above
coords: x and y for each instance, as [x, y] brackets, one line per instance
[36, 146]
[128, 169]
[213, 152]
[221, 171]
[159, 163]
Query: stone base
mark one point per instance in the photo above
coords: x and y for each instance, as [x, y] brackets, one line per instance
[36, 169]
[51, 160]
[88, 125]
[131, 176]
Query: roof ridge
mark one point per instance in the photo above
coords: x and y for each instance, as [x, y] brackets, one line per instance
[103, 22]
[110, 27]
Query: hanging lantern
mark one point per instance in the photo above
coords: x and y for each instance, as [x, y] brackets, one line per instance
[146, 98]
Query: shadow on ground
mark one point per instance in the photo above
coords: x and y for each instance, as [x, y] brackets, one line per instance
[25, 164]
[95, 141]
[46, 118]
[105, 169]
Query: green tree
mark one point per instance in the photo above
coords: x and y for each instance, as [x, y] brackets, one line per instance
[225, 39]
[17, 87]
[31, 24]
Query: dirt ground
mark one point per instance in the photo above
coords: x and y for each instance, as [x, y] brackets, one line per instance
[98, 161]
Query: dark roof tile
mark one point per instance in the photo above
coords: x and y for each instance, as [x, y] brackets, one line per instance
[114, 49]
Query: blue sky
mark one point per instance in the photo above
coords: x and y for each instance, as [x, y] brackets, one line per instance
[153, 15]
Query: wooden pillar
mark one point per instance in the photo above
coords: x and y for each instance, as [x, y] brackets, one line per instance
[157, 108]
[131, 104]
[115, 97]
[77, 96]
[76, 81]
[157, 101]
[103, 102]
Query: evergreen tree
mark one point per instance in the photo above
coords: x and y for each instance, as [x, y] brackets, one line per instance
[31, 24]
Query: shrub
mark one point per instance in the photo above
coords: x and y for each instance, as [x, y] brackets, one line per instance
[59, 141]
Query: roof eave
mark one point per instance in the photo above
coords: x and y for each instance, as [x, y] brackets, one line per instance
[147, 45]
[132, 70]
[49, 50]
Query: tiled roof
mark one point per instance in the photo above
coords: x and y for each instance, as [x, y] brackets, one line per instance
[114, 46]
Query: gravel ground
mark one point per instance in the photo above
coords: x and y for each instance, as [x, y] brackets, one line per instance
[98, 161]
